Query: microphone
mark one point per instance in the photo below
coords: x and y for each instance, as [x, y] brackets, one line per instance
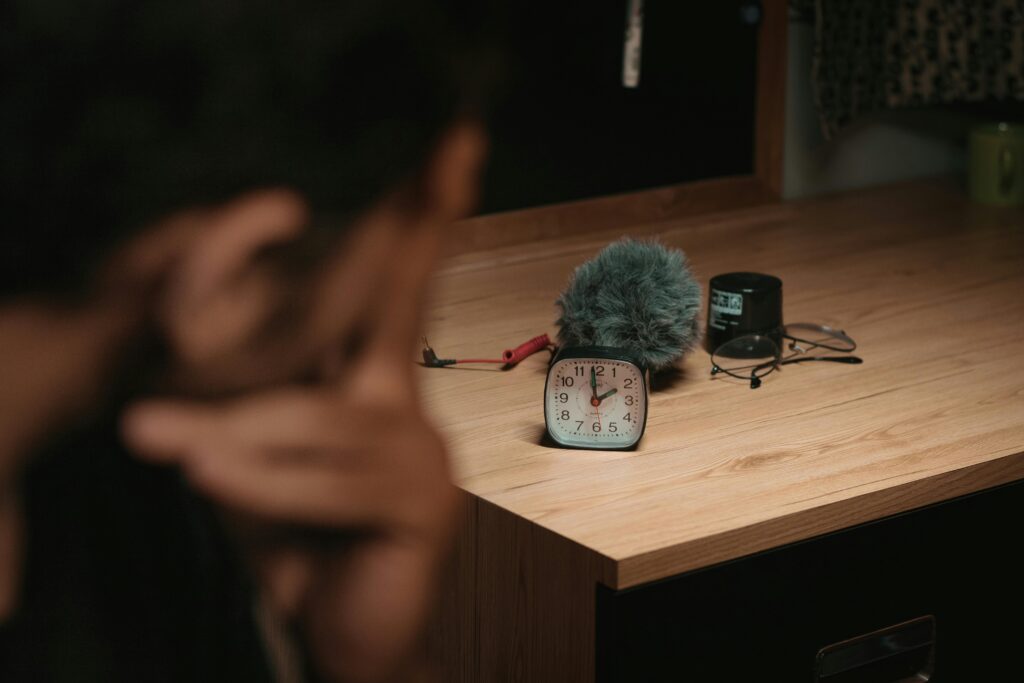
[634, 295]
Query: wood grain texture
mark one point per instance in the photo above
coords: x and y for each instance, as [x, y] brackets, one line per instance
[770, 109]
[451, 635]
[929, 285]
[518, 603]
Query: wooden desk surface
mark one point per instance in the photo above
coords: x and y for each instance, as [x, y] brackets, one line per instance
[930, 286]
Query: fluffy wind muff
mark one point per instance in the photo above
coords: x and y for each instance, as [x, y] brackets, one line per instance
[635, 295]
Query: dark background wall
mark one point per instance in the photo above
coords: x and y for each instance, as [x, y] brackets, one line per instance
[565, 128]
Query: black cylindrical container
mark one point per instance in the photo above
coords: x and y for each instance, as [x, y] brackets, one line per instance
[743, 303]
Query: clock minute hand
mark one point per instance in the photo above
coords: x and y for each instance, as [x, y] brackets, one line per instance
[606, 394]
[593, 383]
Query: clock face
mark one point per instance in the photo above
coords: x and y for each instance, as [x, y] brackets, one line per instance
[595, 403]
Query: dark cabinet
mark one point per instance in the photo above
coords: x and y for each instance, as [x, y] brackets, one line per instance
[936, 590]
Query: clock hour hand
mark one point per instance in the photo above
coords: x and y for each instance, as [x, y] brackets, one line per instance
[606, 394]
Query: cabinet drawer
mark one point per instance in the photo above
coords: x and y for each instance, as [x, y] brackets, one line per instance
[773, 616]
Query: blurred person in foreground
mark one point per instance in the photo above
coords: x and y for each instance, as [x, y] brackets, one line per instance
[220, 218]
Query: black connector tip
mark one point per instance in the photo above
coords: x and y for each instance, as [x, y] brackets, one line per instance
[431, 360]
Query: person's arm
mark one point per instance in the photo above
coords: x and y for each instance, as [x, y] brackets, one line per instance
[339, 494]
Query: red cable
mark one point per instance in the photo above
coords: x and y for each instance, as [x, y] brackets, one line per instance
[513, 356]
[516, 355]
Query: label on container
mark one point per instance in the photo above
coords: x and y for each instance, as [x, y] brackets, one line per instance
[723, 304]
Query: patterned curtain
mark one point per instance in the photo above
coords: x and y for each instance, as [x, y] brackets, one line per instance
[879, 54]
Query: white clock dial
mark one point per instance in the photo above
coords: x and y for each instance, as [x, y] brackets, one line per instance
[595, 403]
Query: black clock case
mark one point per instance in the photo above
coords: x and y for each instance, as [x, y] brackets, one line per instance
[609, 353]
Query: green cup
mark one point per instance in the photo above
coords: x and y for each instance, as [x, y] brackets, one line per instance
[995, 167]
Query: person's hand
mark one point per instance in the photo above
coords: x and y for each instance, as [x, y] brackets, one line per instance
[339, 494]
[320, 461]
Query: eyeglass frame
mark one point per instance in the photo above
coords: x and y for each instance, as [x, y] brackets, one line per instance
[794, 345]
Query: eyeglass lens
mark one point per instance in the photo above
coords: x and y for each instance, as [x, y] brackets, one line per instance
[748, 357]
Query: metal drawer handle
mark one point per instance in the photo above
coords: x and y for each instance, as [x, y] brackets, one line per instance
[903, 653]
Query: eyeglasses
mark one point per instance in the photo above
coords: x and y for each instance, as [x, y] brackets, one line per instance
[753, 356]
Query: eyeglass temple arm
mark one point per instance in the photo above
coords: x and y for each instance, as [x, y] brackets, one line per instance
[852, 360]
[818, 345]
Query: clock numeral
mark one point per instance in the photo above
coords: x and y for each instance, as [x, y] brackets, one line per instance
[563, 397]
[629, 400]
[564, 415]
[627, 383]
[567, 381]
[599, 371]
[613, 372]
[628, 418]
[579, 370]
[596, 426]
[579, 424]
[612, 427]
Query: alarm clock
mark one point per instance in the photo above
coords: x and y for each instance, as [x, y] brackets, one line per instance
[595, 397]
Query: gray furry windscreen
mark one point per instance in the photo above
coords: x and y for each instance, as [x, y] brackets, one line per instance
[635, 295]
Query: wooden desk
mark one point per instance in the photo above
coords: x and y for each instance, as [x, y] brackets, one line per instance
[930, 286]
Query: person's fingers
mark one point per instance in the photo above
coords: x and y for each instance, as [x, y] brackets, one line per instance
[353, 289]
[383, 372]
[286, 420]
[236, 231]
[347, 291]
[399, 324]
[142, 259]
[166, 431]
[319, 494]
[216, 296]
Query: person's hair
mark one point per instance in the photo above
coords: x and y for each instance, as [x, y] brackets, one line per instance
[114, 113]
